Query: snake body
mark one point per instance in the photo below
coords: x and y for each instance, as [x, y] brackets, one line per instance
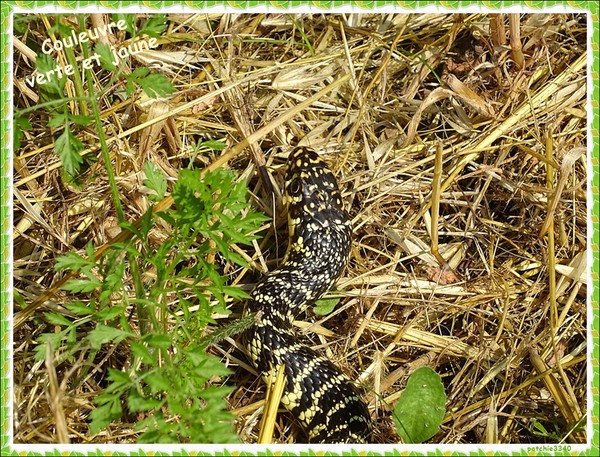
[316, 392]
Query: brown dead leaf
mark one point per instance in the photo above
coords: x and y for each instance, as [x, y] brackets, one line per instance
[442, 275]
[467, 95]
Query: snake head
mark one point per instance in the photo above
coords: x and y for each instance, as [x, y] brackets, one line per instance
[312, 192]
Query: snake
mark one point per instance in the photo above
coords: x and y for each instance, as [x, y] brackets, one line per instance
[324, 400]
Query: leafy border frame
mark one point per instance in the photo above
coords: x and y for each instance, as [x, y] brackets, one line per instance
[7, 10]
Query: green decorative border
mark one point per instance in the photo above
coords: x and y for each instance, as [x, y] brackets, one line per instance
[7, 9]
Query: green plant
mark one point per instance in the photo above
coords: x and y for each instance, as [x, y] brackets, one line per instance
[168, 378]
[153, 304]
[554, 431]
[421, 407]
[538, 429]
[68, 114]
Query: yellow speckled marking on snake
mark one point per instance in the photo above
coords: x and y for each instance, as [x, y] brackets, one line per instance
[324, 400]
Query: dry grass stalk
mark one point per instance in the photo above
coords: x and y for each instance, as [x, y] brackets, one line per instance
[55, 399]
[497, 30]
[272, 401]
[515, 40]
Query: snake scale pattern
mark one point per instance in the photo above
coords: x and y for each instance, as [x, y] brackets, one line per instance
[316, 392]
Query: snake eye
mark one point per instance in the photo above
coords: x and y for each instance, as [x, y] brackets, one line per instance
[294, 186]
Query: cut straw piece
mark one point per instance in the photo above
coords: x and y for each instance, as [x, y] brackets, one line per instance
[568, 410]
[272, 401]
[449, 345]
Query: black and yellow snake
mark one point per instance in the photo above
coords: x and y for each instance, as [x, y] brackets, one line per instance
[316, 392]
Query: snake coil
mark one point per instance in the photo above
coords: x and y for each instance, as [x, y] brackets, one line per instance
[316, 392]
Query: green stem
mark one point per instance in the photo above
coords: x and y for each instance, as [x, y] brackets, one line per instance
[76, 79]
[103, 145]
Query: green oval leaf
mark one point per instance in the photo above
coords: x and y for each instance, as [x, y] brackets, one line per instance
[324, 306]
[421, 407]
